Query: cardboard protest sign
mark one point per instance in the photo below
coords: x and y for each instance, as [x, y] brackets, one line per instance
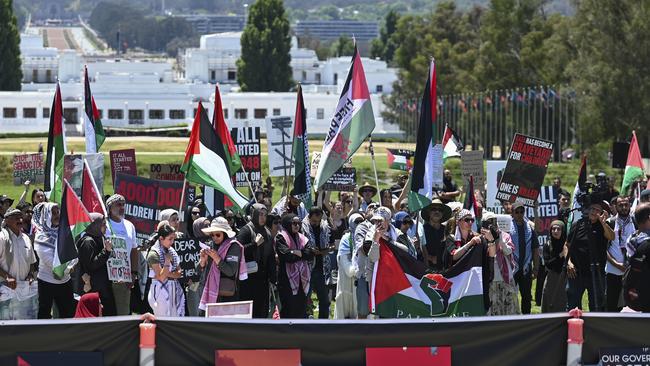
[400, 159]
[247, 143]
[188, 251]
[547, 211]
[344, 179]
[28, 167]
[119, 263]
[315, 160]
[504, 222]
[123, 161]
[472, 165]
[438, 166]
[171, 172]
[525, 170]
[495, 170]
[279, 142]
[73, 165]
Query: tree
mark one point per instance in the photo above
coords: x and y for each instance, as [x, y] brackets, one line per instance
[342, 47]
[11, 74]
[384, 47]
[265, 44]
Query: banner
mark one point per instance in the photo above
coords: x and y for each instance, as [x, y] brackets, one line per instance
[145, 198]
[547, 212]
[525, 170]
[472, 165]
[438, 166]
[188, 251]
[247, 142]
[119, 263]
[28, 167]
[73, 165]
[123, 161]
[315, 161]
[344, 179]
[171, 172]
[279, 141]
[495, 170]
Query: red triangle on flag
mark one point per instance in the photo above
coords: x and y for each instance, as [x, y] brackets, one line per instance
[90, 195]
[390, 157]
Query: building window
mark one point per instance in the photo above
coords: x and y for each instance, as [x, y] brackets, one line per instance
[9, 112]
[276, 111]
[318, 78]
[259, 113]
[241, 113]
[115, 114]
[29, 112]
[320, 113]
[232, 75]
[176, 114]
[213, 75]
[379, 88]
[48, 76]
[225, 114]
[304, 75]
[46, 113]
[35, 76]
[136, 116]
[156, 114]
[70, 116]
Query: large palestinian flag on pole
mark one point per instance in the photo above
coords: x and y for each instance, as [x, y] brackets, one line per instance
[352, 122]
[633, 167]
[74, 220]
[205, 159]
[451, 144]
[421, 192]
[93, 128]
[302, 179]
[401, 287]
[56, 149]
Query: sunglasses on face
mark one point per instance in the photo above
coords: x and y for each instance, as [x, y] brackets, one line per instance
[469, 220]
[295, 223]
[556, 229]
[217, 234]
[349, 202]
[196, 213]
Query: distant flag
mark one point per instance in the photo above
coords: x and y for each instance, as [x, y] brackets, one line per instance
[352, 122]
[421, 192]
[93, 128]
[451, 144]
[205, 159]
[56, 149]
[91, 196]
[300, 149]
[400, 159]
[633, 167]
[74, 220]
[576, 214]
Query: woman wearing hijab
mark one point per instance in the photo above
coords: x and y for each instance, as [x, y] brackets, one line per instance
[52, 287]
[171, 216]
[294, 273]
[221, 265]
[193, 294]
[554, 297]
[345, 306]
[260, 260]
[89, 306]
[94, 250]
[166, 296]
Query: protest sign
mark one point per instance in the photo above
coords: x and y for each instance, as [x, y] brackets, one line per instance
[472, 165]
[504, 222]
[315, 160]
[344, 179]
[28, 167]
[495, 170]
[171, 172]
[547, 211]
[188, 251]
[525, 169]
[400, 159]
[279, 142]
[123, 161]
[438, 166]
[624, 356]
[73, 170]
[247, 143]
[119, 263]
[145, 198]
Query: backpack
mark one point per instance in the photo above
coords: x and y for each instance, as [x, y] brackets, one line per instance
[636, 284]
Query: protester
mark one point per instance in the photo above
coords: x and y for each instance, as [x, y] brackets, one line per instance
[290, 204]
[360, 260]
[193, 295]
[54, 284]
[635, 283]
[503, 289]
[554, 298]
[398, 187]
[526, 254]
[642, 218]
[345, 306]
[434, 230]
[367, 192]
[450, 191]
[623, 227]
[166, 296]
[260, 261]
[557, 184]
[5, 204]
[386, 198]
[221, 265]
[94, 250]
[644, 196]
[318, 232]
[171, 216]
[588, 240]
[26, 209]
[195, 214]
[18, 290]
[89, 306]
[123, 228]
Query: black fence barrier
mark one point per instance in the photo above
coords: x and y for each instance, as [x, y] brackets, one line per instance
[607, 330]
[532, 340]
[116, 338]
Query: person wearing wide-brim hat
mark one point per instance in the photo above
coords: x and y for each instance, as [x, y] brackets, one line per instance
[367, 192]
[434, 239]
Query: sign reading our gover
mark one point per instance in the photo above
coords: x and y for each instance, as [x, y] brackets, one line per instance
[525, 170]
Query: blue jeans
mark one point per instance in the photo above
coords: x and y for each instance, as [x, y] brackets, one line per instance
[14, 309]
[594, 283]
[362, 298]
[322, 293]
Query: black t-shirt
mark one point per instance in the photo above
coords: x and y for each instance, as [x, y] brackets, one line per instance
[588, 245]
[435, 241]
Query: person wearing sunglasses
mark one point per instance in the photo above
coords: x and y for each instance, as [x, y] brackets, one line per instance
[319, 233]
[526, 254]
[432, 241]
[166, 296]
[554, 294]
[463, 239]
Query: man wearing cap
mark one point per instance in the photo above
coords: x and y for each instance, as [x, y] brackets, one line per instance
[367, 192]
[587, 253]
[5, 203]
[433, 239]
[318, 231]
[18, 289]
[290, 204]
[123, 228]
[526, 254]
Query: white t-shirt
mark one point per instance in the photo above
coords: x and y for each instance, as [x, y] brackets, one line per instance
[23, 254]
[123, 229]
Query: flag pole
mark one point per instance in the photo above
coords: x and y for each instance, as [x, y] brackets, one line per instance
[250, 185]
[374, 165]
[180, 205]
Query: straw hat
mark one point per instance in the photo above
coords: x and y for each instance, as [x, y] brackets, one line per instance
[437, 203]
[367, 185]
[219, 224]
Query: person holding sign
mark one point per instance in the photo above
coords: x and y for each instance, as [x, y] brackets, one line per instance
[123, 228]
[166, 296]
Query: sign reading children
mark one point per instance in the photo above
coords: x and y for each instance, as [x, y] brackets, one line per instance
[525, 170]
[247, 143]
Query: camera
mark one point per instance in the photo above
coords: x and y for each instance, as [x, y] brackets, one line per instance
[494, 229]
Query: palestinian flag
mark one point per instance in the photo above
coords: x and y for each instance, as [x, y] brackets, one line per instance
[451, 144]
[400, 159]
[401, 287]
[91, 196]
[421, 192]
[205, 159]
[93, 128]
[633, 167]
[56, 150]
[74, 221]
[352, 122]
[470, 198]
[576, 214]
[300, 148]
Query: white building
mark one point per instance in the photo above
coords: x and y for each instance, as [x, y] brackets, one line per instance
[39, 64]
